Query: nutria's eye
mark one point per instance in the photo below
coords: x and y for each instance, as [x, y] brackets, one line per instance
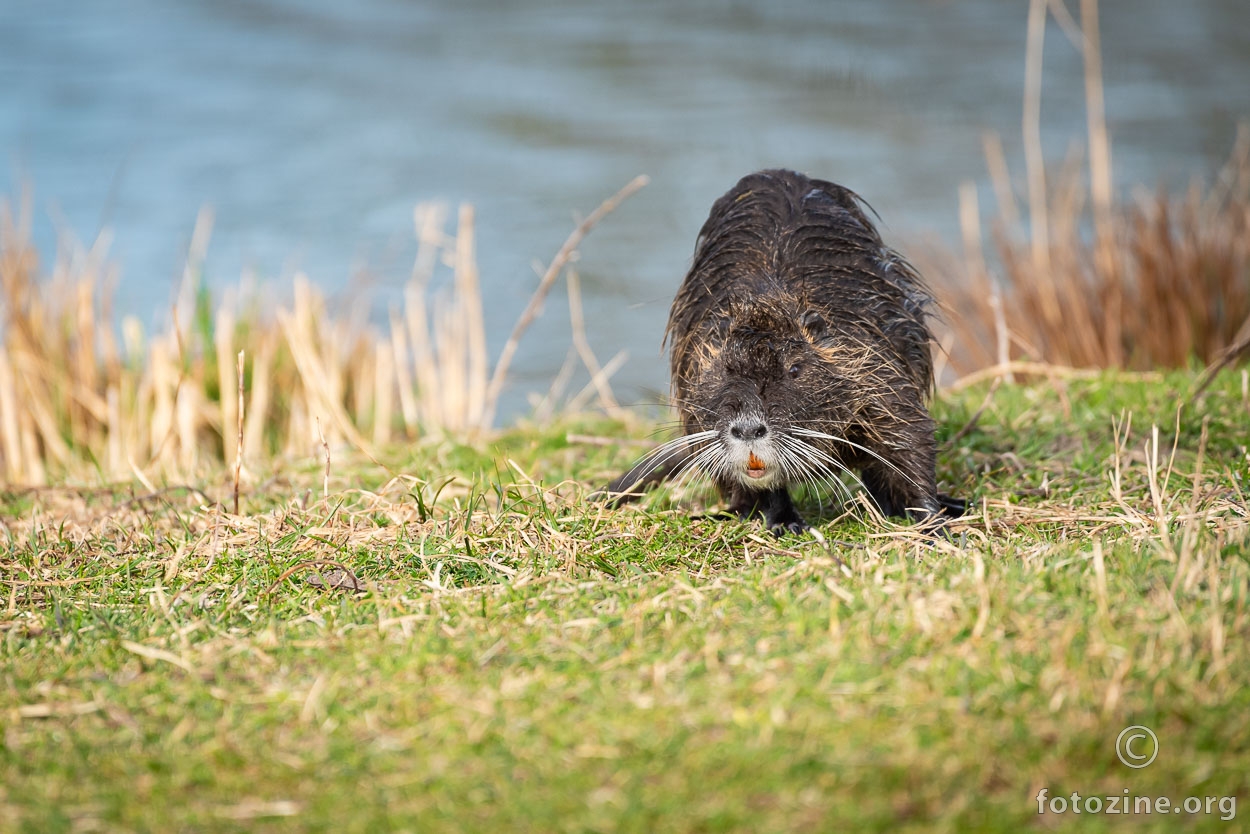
[794, 370]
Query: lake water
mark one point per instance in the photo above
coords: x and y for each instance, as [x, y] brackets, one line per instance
[313, 127]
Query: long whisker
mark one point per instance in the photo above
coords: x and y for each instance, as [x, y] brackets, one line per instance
[708, 461]
[663, 454]
[713, 460]
[828, 464]
[699, 409]
[666, 451]
[795, 470]
[865, 449]
[831, 468]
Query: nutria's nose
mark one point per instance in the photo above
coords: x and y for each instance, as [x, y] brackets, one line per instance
[747, 429]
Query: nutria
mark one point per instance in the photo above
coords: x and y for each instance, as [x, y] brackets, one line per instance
[800, 350]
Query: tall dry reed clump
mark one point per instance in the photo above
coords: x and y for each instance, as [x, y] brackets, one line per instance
[1087, 281]
[76, 401]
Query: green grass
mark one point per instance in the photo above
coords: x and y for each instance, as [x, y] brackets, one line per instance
[523, 660]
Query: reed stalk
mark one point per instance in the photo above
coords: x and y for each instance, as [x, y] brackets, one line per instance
[178, 402]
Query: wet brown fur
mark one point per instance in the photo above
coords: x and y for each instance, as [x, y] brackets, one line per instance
[796, 318]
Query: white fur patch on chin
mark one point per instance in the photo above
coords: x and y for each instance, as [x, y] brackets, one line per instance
[754, 465]
[767, 479]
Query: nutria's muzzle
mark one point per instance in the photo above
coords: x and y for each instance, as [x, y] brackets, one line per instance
[751, 453]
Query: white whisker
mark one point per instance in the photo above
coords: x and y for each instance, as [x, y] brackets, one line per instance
[665, 452]
[865, 449]
[828, 465]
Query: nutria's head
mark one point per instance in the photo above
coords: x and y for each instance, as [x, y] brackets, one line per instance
[767, 395]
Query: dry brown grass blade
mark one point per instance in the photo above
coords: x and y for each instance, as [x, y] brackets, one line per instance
[470, 321]
[238, 449]
[1160, 281]
[1230, 354]
[1030, 128]
[318, 382]
[599, 375]
[173, 405]
[553, 271]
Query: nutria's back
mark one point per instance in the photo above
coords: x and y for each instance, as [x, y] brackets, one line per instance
[781, 234]
[800, 352]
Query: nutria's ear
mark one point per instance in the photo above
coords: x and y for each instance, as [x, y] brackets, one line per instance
[814, 324]
[735, 311]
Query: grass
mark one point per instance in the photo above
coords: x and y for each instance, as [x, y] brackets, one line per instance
[382, 616]
[519, 659]
[225, 380]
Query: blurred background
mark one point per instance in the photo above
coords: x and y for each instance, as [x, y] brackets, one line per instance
[313, 127]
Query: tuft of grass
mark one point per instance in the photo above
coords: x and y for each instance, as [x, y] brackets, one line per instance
[76, 401]
[1083, 280]
[459, 641]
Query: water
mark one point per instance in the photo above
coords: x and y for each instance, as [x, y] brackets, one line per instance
[312, 128]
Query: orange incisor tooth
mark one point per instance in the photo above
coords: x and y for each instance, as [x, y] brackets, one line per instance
[753, 462]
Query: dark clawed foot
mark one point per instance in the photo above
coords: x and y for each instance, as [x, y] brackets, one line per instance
[936, 526]
[781, 528]
[774, 505]
[934, 519]
[780, 516]
[778, 527]
[952, 507]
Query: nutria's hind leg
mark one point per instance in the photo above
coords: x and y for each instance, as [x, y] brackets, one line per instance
[879, 490]
[953, 507]
[905, 489]
[774, 505]
[898, 495]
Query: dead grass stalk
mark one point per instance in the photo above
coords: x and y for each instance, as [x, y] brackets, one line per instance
[76, 403]
[1155, 281]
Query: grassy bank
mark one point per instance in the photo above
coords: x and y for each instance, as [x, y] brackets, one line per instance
[516, 658]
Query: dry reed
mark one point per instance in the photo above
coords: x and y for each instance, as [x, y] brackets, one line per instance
[74, 403]
[1158, 281]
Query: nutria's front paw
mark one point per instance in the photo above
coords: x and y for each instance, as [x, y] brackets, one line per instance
[785, 521]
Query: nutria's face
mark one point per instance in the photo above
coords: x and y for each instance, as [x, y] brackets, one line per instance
[763, 392]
